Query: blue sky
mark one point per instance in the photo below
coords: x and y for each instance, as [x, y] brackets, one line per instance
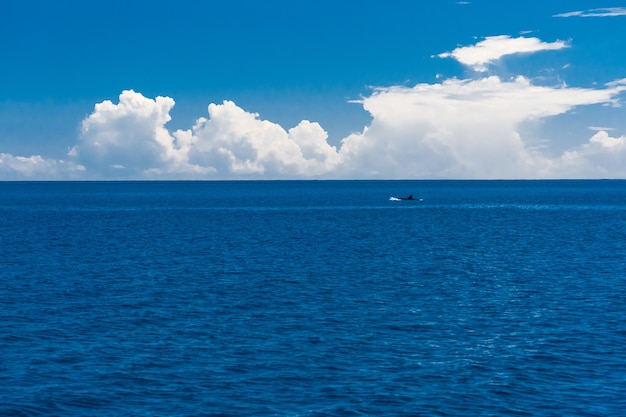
[312, 89]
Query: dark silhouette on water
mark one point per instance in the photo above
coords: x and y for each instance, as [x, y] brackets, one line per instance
[410, 197]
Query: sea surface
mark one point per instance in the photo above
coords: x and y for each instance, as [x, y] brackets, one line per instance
[313, 298]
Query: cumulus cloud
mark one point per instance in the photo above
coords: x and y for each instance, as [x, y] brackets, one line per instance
[129, 140]
[450, 129]
[602, 157]
[233, 141]
[493, 48]
[600, 12]
[461, 129]
[125, 139]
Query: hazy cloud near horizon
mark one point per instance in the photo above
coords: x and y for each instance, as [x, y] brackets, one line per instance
[453, 129]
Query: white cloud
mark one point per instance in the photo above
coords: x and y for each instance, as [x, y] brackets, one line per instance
[129, 140]
[36, 168]
[602, 157]
[495, 47]
[126, 139]
[616, 83]
[600, 128]
[233, 141]
[603, 140]
[449, 129]
[601, 12]
[460, 129]
[453, 129]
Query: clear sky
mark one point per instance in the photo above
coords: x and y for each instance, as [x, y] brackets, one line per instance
[245, 89]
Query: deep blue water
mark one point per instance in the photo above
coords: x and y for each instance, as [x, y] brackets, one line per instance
[313, 298]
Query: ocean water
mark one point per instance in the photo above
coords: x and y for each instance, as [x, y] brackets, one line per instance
[313, 298]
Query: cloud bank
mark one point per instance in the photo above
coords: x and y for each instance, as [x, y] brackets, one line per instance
[465, 129]
[130, 140]
[36, 167]
[453, 129]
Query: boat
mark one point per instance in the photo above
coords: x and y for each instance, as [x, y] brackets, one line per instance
[410, 197]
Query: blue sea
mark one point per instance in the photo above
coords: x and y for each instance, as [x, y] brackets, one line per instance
[313, 298]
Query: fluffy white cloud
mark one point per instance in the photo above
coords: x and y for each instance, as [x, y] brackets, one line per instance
[37, 168]
[461, 129]
[602, 157]
[451, 129]
[125, 139]
[495, 47]
[603, 12]
[130, 140]
[233, 141]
